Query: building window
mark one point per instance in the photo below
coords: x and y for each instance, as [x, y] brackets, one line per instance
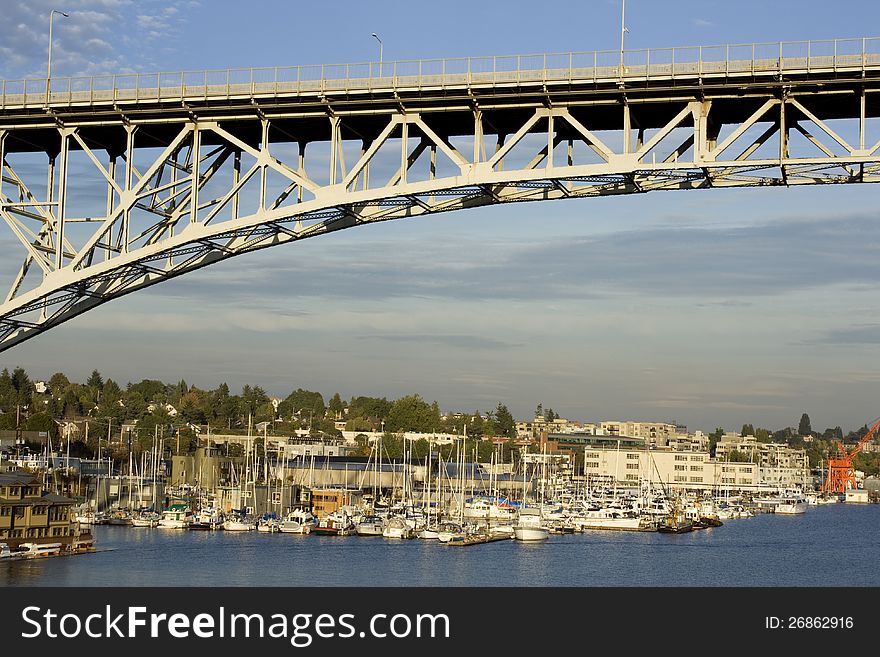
[680, 478]
[696, 468]
[681, 467]
[631, 477]
[679, 457]
[632, 456]
[696, 480]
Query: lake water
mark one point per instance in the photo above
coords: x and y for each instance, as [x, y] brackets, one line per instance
[830, 545]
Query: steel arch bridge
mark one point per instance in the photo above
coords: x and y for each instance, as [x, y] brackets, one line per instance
[112, 184]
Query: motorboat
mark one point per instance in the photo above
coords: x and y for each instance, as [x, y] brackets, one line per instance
[145, 519]
[5, 552]
[208, 518]
[370, 525]
[37, 550]
[298, 521]
[398, 527]
[530, 525]
[176, 516]
[609, 518]
[336, 523]
[238, 522]
[791, 505]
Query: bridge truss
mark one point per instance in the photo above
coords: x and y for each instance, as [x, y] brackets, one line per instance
[106, 195]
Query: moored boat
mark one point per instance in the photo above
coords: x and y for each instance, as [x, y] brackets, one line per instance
[791, 505]
[398, 527]
[370, 525]
[529, 526]
[176, 516]
[337, 523]
[37, 550]
[298, 521]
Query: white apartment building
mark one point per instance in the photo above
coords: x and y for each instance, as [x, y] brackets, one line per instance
[693, 470]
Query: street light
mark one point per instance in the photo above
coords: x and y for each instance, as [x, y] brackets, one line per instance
[623, 31]
[376, 37]
[49, 67]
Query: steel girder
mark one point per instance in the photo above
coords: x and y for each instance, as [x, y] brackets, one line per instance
[187, 187]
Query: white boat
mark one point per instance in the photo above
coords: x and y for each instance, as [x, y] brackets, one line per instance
[370, 525]
[430, 532]
[398, 527]
[609, 518]
[238, 523]
[488, 509]
[5, 552]
[177, 516]
[791, 505]
[36, 550]
[208, 517]
[446, 530]
[145, 519]
[529, 526]
[298, 521]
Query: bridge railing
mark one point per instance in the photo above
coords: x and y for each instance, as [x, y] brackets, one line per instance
[734, 60]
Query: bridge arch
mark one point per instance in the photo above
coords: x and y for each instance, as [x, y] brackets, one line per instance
[194, 174]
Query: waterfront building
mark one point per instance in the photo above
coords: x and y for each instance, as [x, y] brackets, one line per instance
[29, 514]
[780, 465]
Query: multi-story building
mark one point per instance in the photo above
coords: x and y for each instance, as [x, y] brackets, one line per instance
[779, 464]
[28, 514]
[656, 434]
[673, 469]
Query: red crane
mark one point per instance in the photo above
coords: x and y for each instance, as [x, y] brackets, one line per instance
[841, 474]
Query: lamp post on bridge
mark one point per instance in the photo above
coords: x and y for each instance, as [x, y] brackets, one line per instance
[49, 66]
[623, 31]
[376, 37]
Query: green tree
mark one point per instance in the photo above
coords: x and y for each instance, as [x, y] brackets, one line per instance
[412, 413]
[336, 406]
[504, 421]
[747, 430]
[95, 381]
[804, 428]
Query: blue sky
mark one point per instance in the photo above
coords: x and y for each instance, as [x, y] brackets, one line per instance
[710, 308]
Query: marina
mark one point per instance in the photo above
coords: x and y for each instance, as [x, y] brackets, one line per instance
[765, 550]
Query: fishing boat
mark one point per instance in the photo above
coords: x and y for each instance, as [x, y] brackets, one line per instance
[530, 526]
[676, 521]
[298, 521]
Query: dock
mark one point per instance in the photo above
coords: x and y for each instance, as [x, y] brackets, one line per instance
[475, 539]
